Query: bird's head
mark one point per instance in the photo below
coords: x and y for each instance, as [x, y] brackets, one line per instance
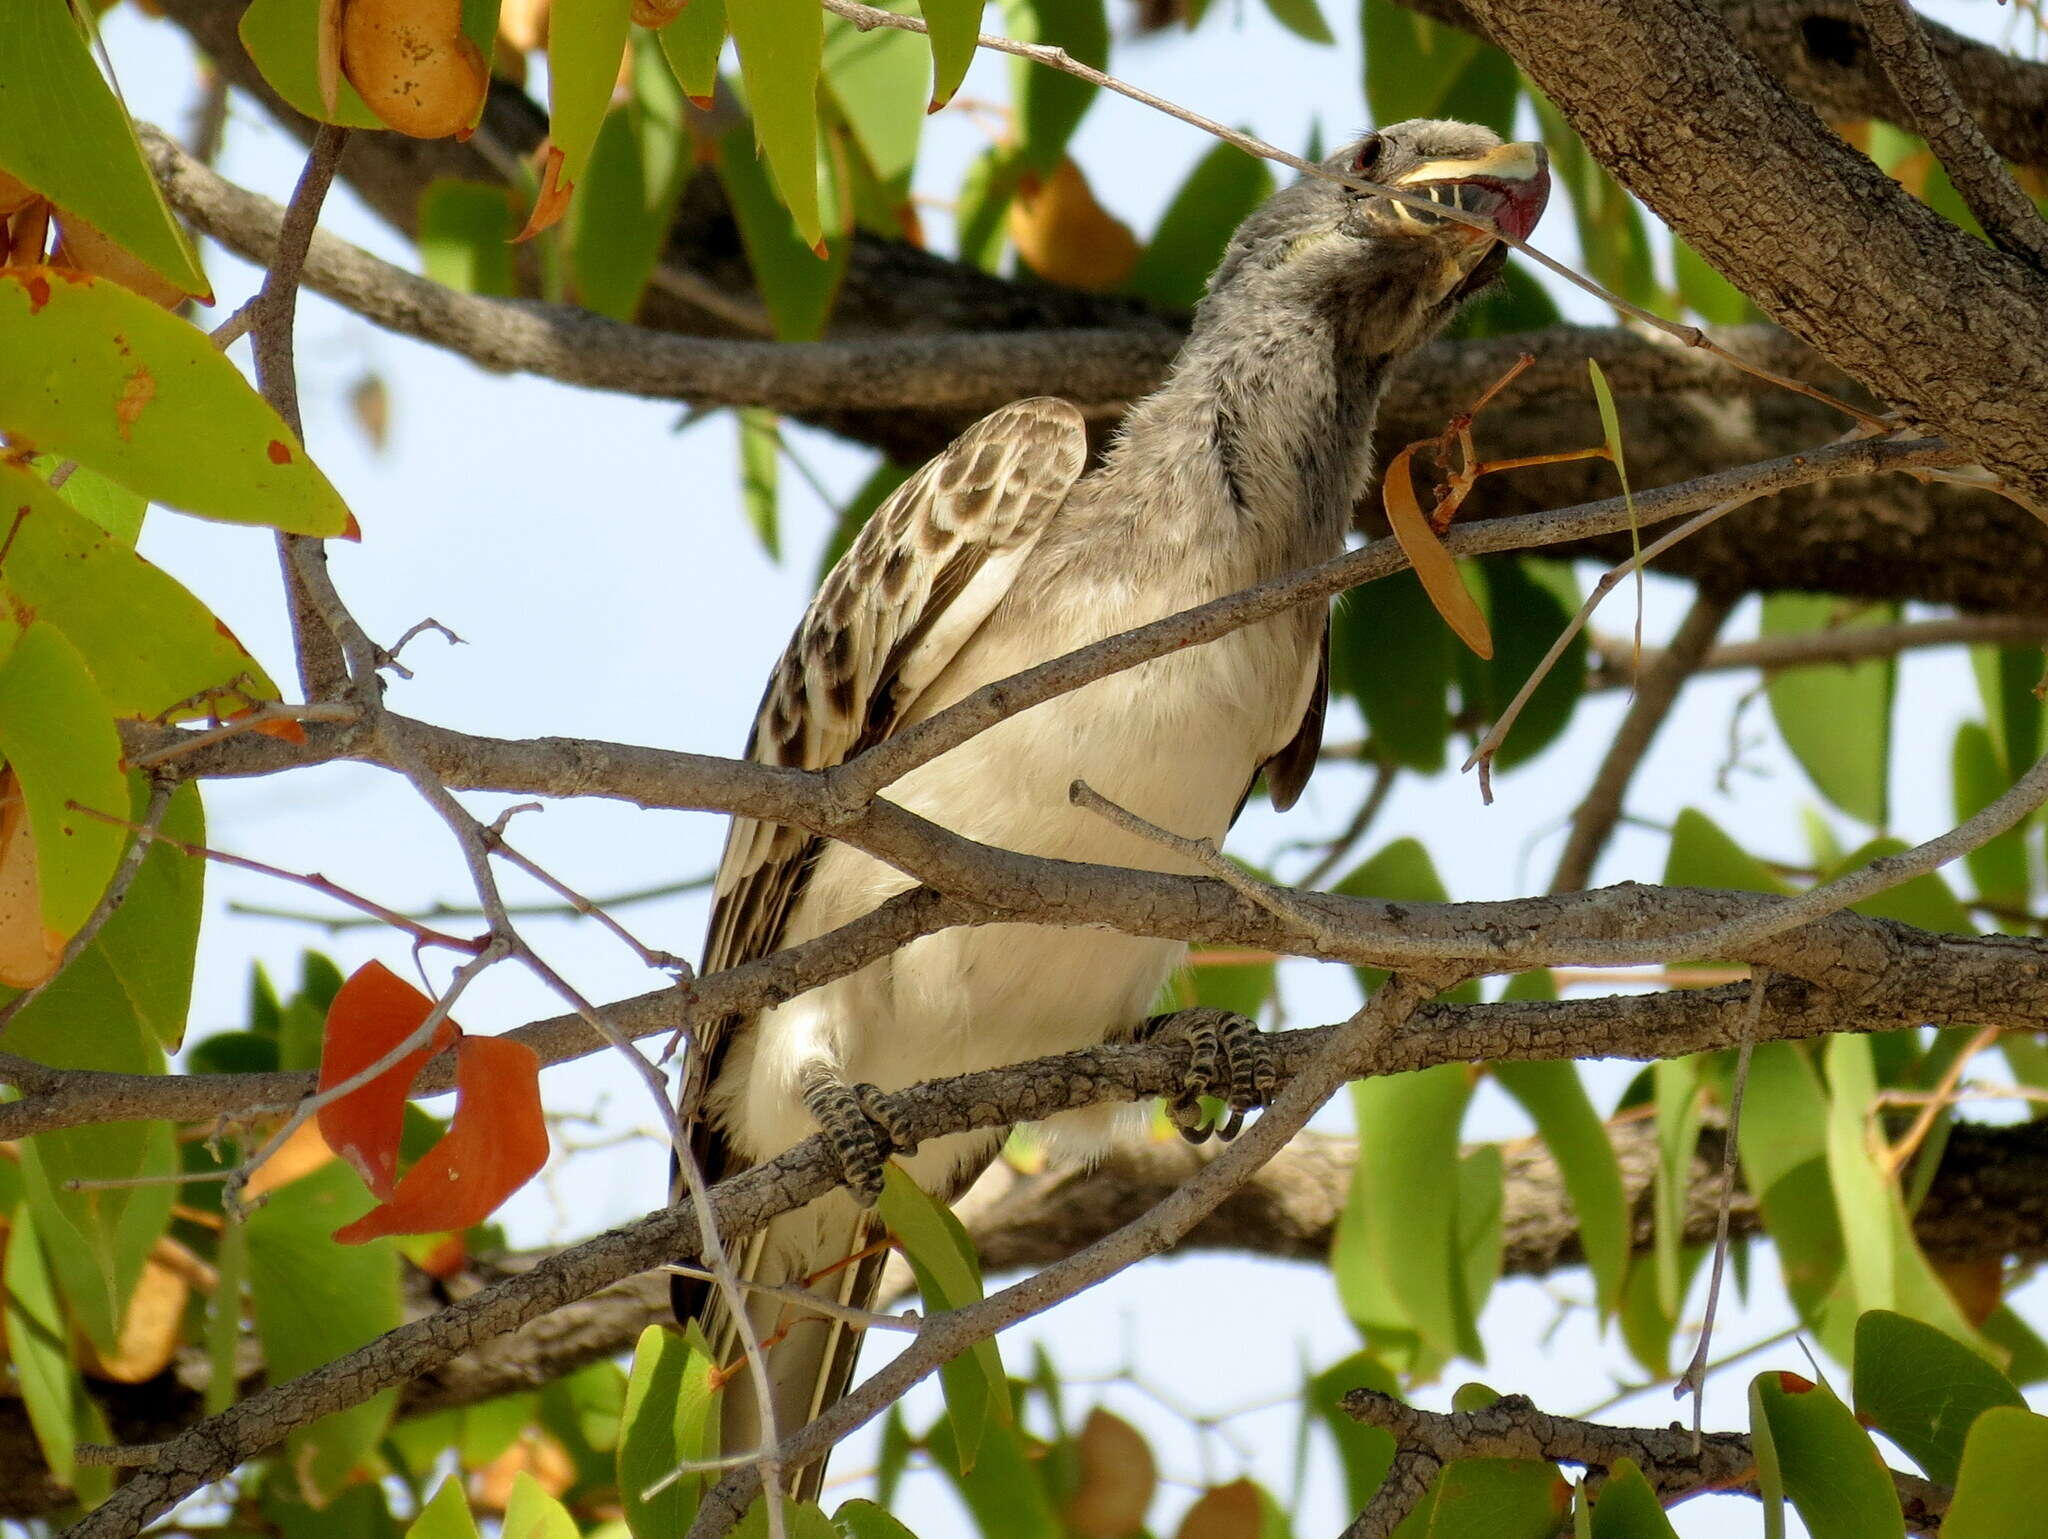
[1384, 275]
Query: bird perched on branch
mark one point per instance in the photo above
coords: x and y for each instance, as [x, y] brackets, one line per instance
[1006, 551]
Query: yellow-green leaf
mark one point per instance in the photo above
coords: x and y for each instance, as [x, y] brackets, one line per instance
[585, 44]
[2003, 1488]
[465, 234]
[1923, 1389]
[56, 734]
[145, 398]
[670, 1419]
[38, 1345]
[692, 43]
[955, 25]
[147, 641]
[1827, 1464]
[781, 47]
[64, 133]
[283, 41]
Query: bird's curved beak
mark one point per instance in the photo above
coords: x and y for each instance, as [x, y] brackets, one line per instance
[1508, 185]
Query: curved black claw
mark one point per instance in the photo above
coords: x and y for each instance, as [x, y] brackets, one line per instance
[1229, 1059]
[861, 1126]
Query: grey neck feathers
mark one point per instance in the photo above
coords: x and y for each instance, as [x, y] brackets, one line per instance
[1277, 412]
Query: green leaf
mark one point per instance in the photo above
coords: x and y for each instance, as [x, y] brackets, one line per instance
[445, 1516]
[135, 392]
[38, 1346]
[147, 641]
[315, 1301]
[797, 288]
[1302, 19]
[1365, 1453]
[96, 1238]
[2003, 1488]
[1004, 1491]
[113, 507]
[781, 47]
[670, 1419]
[282, 39]
[1678, 1133]
[152, 940]
[1923, 1389]
[224, 1317]
[1391, 654]
[1400, 873]
[1419, 68]
[1863, 1196]
[1528, 605]
[1491, 1499]
[584, 46]
[60, 742]
[1243, 987]
[1701, 855]
[1408, 1142]
[533, 1514]
[955, 26]
[64, 133]
[1049, 104]
[1784, 1161]
[986, 192]
[1628, 1508]
[1556, 1101]
[1481, 1194]
[760, 454]
[1610, 435]
[465, 235]
[858, 1519]
[630, 189]
[948, 1273]
[1829, 1467]
[1225, 185]
[1998, 868]
[1836, 717]
[692, 44]
[880, 82]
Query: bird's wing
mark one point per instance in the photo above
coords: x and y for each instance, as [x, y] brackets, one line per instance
[1288, 770]
[921, 579]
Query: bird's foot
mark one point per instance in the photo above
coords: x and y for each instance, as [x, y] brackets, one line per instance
[1230, 1059]
[860, 1124]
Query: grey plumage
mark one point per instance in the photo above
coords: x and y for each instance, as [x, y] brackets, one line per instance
[998, 555]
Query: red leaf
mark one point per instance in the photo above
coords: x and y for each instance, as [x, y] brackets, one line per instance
[374, 1012]
[1793, 1384]
[495, 1144]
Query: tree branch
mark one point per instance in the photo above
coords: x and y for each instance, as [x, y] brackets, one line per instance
[1913, 308]
[1937, 112]
[1513, 1428]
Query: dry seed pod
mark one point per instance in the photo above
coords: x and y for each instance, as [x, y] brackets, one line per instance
[412, 65]
[83, 246]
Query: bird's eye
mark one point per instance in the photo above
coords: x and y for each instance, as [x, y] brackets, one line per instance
[1366, 156]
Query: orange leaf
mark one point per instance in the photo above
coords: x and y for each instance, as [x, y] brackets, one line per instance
[496, 1143]
[29, 949]
[1432, 563]
[374, 1012]
[1065, 236]
[554, 195]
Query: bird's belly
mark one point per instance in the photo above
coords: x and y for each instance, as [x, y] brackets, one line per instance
[1174, 742]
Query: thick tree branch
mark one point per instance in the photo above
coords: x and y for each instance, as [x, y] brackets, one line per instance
[1917, 311]
[1513, 1428]
[1936, 110]
[1822, 52]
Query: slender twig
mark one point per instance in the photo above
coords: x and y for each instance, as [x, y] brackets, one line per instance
[1694, 1379]
[117, 890]
[1937, 112]
[1835, 644]
[1383, 778]
[321, 671]
[1656, 693]
[1277, 901]
[562, 910]
[312, 880]
[1610, 579]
